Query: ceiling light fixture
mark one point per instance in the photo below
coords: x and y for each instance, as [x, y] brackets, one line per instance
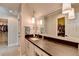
[66, 9]
[33, 18]
[41, 22]
[10, 11]
[71, 14]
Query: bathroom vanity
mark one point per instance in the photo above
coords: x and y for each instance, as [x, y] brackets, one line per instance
[52, 46]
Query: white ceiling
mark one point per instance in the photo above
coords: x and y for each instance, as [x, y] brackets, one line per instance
[39, 8]
[44, 8]
[76, 7]
[9, 9]
[11, 6]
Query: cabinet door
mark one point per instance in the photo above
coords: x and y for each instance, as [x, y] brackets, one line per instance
[31, 49]
[39, 52]
[26, 47]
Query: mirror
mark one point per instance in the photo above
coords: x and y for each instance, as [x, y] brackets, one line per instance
[42, 30]
[61, 27]
[27, 30]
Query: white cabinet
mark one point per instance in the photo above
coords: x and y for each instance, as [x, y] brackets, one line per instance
[26, 47]
[29, 48]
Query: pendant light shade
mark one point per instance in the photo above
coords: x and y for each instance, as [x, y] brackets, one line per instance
[41, 22]
[33, 18]
[66, 7]
[71, 14]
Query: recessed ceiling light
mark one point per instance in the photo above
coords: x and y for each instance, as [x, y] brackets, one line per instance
[10, 11]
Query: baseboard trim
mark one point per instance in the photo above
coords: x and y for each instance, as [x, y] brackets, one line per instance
[14, 44]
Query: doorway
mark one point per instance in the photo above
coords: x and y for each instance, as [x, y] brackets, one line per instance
[3, 32]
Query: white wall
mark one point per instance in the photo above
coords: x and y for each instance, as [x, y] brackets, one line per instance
[51, 25]
[12, 31]
[73, 26]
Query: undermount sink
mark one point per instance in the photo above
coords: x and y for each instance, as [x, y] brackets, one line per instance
[34, 39]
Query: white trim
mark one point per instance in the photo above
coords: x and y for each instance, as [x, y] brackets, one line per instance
[14, 44]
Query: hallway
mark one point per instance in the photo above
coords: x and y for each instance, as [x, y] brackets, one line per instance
[3, 38]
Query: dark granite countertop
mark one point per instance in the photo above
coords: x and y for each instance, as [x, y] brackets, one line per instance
[52, 47]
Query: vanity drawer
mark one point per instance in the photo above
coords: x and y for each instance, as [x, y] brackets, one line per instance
[40, 52]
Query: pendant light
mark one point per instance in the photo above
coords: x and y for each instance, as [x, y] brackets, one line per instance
[41, 22]
[33, 23]
[71, 14]
[67, 9]
[33, 18]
